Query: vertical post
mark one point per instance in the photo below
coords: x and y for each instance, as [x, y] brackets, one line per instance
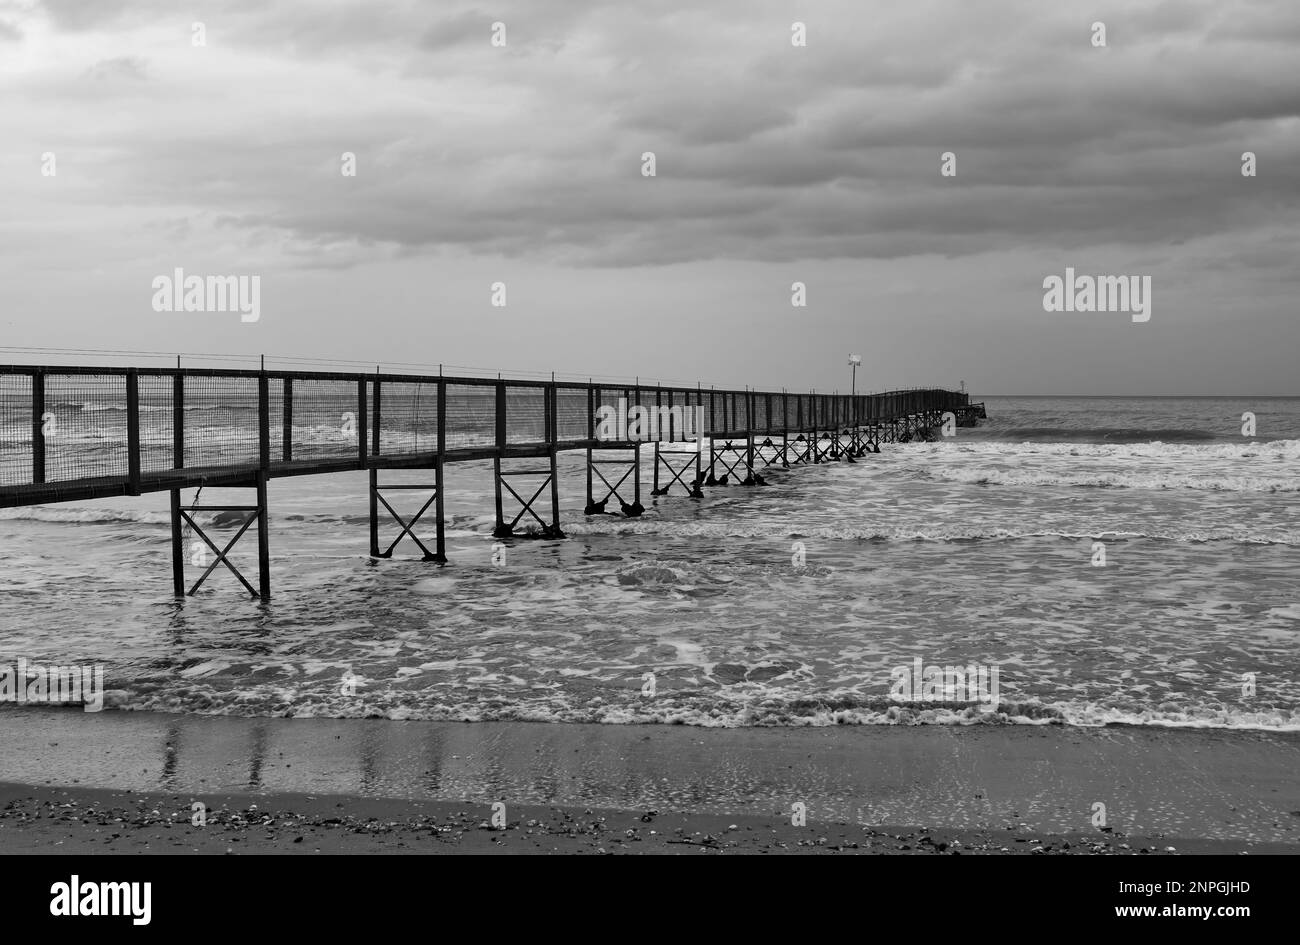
[496, 459]
[814, 440]
[178, 421]
[374, 475]
[440, 538]
[440, 548]
[657, 433]
[591, 435]
[374, 512]
[713, 427]
[38, 426]
[287, 421]
[363, 420]
[696, 492]
[785, 429]
[636, 474]
[178, 545]
[374, 433]
[263, 538]
[263, 423]
[133, 430]
[553, 422]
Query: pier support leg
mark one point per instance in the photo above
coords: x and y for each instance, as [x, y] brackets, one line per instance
[501, 519]
[263, 541]
[696, 491]
[439, 552]
[676, 473]
[549, 529]
[440, 546]
[800, 447]
[178, 547]
[555, 496]
[632, 471]
[253, 514]
[591, 507]
[743, 456]
[374, 513]
[636, 481]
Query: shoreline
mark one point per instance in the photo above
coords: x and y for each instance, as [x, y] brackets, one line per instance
[864, 789]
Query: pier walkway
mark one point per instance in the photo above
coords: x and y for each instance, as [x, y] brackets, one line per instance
[78, 433]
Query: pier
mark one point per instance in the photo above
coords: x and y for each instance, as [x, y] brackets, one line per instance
[78, 433]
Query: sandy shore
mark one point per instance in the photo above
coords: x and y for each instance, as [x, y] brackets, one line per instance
[127, 782]
[89, 820]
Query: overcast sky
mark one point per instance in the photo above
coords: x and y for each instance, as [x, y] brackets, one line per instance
[479, 164]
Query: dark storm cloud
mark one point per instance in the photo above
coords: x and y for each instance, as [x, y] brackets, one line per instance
[764, 151]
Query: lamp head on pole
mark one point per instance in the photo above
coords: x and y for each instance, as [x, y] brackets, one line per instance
[855, 359]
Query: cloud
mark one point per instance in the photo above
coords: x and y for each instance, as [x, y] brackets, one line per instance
[765, 151]
[123, 67]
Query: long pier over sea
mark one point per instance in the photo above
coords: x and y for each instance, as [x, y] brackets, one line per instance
[78, 433]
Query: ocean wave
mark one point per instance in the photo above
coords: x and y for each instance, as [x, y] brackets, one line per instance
[762, 711]
[77, 515]
[480, 526]
[937, 533]
[1102, 435]
[1152, 449]
[95, 406]
[1115, 480]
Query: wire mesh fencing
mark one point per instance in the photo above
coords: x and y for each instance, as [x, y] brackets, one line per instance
[15, 429]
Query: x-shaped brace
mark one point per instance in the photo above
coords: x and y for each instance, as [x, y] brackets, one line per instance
[693, 488]
[768, 444]
[751, 479]
[528, 506]
[407, 528]
[631, 510]
[221, 552]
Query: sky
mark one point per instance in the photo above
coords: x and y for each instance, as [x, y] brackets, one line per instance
[480, 163]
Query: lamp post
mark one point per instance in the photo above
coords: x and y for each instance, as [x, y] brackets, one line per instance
[854, 361]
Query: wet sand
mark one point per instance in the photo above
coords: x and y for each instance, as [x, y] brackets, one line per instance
[118, 782]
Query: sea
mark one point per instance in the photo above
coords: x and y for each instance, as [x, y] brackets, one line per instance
[1113, 560]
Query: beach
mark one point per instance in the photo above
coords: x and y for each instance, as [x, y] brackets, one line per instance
[128, 782]
[777, 658]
